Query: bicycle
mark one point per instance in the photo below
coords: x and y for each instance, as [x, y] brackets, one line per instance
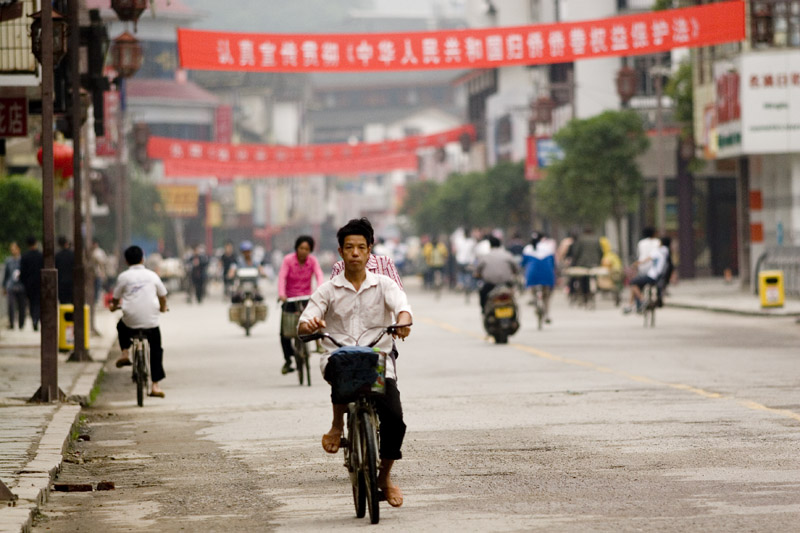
[649, 304]
[362, 439]
[302, 357]
[140, 350]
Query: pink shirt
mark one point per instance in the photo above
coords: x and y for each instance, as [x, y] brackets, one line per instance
[377, 264]
[294, 279]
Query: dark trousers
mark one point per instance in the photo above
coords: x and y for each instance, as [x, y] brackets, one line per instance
[486, 288]
[16, 305]
[288, 349]
[35, 304]
[392, 427]
[156, 351]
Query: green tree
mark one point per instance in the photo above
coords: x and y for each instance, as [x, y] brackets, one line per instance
[21, 208]
[499, 198]
[599, 176]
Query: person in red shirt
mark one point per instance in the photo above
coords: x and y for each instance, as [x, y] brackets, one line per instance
[294, 281]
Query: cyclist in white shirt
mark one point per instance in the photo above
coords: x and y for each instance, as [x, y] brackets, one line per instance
[141, 295]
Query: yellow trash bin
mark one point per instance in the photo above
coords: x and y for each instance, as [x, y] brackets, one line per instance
[770, 288]
[66, 327]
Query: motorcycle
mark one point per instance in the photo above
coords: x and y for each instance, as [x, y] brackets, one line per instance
[248, 307]
[500, 316]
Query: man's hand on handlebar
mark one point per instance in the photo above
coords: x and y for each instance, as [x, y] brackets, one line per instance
[403, 318]
[310, 326]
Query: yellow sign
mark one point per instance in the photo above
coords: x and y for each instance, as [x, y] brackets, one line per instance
[243, 198]
[179, 200]
[214, 215]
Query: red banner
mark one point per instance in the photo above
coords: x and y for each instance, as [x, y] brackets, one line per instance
[643, 33]
[13, 117]
[254, 169]
[166, 148]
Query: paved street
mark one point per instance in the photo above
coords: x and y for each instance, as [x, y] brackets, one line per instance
[594, 424]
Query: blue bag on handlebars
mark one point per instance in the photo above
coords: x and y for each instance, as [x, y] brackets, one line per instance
[350, 369]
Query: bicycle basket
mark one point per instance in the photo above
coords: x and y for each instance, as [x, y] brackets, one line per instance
[355, 369]
[289, 323]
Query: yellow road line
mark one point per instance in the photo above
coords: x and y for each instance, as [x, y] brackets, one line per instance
[749, 404]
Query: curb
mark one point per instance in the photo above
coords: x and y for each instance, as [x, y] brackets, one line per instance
[33, 487]
[728, 310]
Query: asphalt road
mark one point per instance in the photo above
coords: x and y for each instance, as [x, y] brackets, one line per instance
[593, 424]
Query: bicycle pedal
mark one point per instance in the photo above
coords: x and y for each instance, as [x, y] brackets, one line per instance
[343, 443]
[381, 496]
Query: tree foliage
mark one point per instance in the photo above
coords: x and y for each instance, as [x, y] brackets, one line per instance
[21, 208]
[598, 176]
[497, 198]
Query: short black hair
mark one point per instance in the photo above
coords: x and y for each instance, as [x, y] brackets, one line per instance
[304, 238]
[666, 241]
[649, 232]
[133, 255]
[494, 242]
[356, 226]
[62, 241]
[31, 241]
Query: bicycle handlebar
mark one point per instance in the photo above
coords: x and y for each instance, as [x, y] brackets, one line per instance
[384, 330]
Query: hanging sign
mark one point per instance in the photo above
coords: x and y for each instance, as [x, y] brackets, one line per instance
[642, 33]
[167, 148]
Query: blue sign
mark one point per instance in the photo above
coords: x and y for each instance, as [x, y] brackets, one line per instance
[547, 151]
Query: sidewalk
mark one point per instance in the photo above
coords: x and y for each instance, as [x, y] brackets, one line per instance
[33, 436]
[714, 294]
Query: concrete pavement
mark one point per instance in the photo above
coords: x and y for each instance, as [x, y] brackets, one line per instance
[33, 436]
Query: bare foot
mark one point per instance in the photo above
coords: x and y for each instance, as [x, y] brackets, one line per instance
[331, 440]
[394, 496]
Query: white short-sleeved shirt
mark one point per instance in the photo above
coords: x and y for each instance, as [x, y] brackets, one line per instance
[138, 289]
[348, 313]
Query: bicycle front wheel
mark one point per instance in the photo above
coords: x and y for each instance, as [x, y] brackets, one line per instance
[352, 456]
[369, 464]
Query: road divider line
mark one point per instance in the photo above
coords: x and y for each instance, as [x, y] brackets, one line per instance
[749, 404]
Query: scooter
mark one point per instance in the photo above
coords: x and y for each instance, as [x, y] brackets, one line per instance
[248, 307]
[500, 316]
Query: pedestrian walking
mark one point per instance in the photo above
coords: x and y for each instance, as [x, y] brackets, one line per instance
[98, 260]
[65, 264]
[227, 259]
[13, 288]
[30, 274]
[199, 272]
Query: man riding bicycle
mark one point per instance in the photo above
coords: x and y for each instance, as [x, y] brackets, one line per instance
[345, 307]
[141, 295]
[655, 264]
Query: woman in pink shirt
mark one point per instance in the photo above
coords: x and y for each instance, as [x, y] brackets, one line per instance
[294, 280]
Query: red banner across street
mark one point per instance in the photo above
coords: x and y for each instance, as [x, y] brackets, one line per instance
[205, 158]
[637, 34]
[192, 168]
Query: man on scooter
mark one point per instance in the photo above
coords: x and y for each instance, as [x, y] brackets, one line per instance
[498, 267]
[245, 261]
[346, 306]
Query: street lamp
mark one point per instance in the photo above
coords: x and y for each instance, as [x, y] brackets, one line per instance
[626, 84]
[126, 55]
[60, 32]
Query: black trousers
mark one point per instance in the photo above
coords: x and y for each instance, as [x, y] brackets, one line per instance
[156, 351]
[486, 288]
[35, 304]
[392, 427]
[16, 306]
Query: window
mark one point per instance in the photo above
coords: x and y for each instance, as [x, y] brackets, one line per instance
[775, 23]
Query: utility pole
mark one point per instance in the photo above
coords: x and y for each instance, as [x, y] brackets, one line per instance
[79, 279]
[658, 71]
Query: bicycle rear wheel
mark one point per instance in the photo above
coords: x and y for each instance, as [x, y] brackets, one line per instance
[369, 464]
[141, 373]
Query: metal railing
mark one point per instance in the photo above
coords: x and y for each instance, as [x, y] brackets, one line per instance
[785, 259]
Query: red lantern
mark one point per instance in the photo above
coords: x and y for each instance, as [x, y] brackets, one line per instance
[62, 160]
